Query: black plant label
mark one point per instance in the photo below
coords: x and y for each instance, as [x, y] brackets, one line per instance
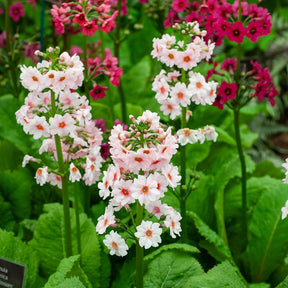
[11, 274]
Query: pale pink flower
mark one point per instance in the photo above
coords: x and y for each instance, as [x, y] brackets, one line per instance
[171, 108]
[55, 180]
[156, 208]
[28, 158]
[104, 186]
[186, 136]
[148, 234]
[180, 94]
[62, 125]
[151, 118]
[172, 175]
[116, 244]
[41, 175]
[145, 189]
[122, 192]
[162, 89]
[186, 59]
[74, 174]
[91, 172]
[210, 133]
[172, 221]
[68, 99]
[168, 57]
[105, 220]
[38, 127]
[31, 79]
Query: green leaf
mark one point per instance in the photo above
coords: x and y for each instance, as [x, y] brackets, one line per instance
[136, 80]
[223, 136]
[102, 111]
[68, 267]
[16, 188]
[268, 243]
[10, 156]
[126, 275]
[132, 109]
[268, 168]
[13, 249]
[212, 242]
[283, 284]
[223, 162]
[7, 221]
[223, 275]
[171, 269]
[259, 285]
[9, 129]
[48, 240]
[70, 282]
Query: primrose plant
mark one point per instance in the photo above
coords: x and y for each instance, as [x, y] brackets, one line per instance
[62, 120]
[136, 181]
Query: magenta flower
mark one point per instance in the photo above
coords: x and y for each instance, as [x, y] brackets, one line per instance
[80, 19]
[89, 28]
[236, 32]
[16, 11]
[98, 92]
[179, 5]
[229, 64]
[254, 31]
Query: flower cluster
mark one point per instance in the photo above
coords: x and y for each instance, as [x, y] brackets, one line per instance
[51, 110]
[257, 83]
[141, 173]
[181, 57]
[90, 15]
[220, 18]
[107, 66]
[191, 136]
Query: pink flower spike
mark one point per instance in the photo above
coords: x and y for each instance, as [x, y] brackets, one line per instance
[16, 11]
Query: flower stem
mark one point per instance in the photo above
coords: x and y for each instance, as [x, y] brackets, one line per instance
[117, 43]
[139, 250]
[183, 198]
[243, 175]
[65, 196]
[77, 216]
[86, 73]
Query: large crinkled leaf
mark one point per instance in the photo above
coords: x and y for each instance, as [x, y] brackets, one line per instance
[268, 243]
[126, 275]
[224, 164]
[48, 240]
[68, 268]
[224, 275]
[9, 129]
[171, 269]
[16, 188]
[13, 249]
[211, 241]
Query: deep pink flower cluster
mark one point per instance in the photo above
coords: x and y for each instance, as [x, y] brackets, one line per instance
[107, 66]
[91, 16]
[16, 11]
[141, 172]
[51, 109]
[257, 81]
[220, 19]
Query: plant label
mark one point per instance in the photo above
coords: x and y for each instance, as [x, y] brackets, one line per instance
[11, 274]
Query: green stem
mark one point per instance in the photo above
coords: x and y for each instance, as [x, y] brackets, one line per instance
[243, 176]
[65, 196]
[86, 73]
[117, 54]
[139, 250]
[77, 216]
[184, 234]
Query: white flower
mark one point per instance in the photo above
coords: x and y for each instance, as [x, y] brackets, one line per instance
[148, 234]
[41, 176]
[116, 244]
[186, 135]
[210, 133]
[74, 173]
[28, 158]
